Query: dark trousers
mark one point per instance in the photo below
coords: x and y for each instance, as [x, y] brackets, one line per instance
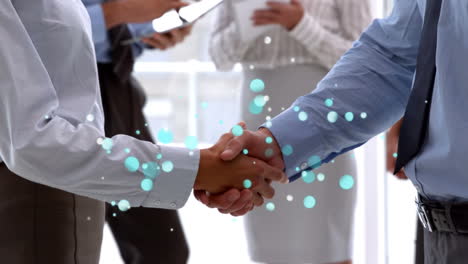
[43, 225]
[143, 235]
[419, 249]
[445, 248]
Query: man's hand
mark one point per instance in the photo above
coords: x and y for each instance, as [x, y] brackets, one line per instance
[239, 203]
[392, 148]
[217, 176]
[136, 11]
[287, 15]
[169, 39]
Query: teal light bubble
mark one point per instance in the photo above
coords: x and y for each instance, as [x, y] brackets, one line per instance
[138, 132]
[254, 109]
[395, 155]
[167, 166]
[245, 151]
[309, 202]
[296, 108]
[308, 176]
[332, 116]
[114, 214]
[191, 142]
[127, 150]
[221, 122]
[320, 177]
[247, 184]
[363, 115]
[268, 140]
[146, 185]
[165, 136]
[113, 203]
[259, 100]
[204, 105]
[159, 156]
[314, 161]
[287, 150]
[270, 206]
[107, 144]
[329, 102]
[237, 130]
[124, 205]
[132, 164]
[302, 116]
[257, 85]
[346, 182]
[109, 152]
[268, 124]
[151, 170]
[349, 116]
[146, 124]
[269, 152]
[297, 169]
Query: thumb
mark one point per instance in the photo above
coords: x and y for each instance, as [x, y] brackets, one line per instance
[233, 149]
[295, 2]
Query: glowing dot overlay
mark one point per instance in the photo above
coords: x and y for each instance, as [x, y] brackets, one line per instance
[309, 202]
[270, 206]
[124, 205]
[247, 184]
[346, 182]
[237, 130]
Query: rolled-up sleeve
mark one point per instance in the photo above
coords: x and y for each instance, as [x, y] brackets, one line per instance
[54, 135]
[368, 87]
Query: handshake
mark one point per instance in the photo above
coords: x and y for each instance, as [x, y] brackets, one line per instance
[235, 174]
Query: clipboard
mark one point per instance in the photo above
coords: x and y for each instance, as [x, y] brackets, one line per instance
[173, 19]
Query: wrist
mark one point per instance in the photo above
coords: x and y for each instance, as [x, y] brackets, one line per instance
[206, 158]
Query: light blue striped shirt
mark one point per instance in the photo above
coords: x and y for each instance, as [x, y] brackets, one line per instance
[374, 79]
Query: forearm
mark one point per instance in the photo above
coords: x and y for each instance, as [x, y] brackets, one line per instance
[115, 13]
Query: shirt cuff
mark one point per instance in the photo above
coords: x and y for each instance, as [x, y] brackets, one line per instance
[301, 142]
[98, 23]
[306, 28]
[173, 185]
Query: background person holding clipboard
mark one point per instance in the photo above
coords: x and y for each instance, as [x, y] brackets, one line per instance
[290, 46]
[143, 235]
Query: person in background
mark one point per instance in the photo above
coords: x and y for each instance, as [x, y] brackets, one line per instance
[291, 59]
[143, 235]
[391, 141]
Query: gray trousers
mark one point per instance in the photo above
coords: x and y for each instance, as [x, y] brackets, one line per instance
[445, 248]
[43, 225]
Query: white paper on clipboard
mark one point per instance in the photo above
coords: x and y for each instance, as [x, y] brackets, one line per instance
[244, 10]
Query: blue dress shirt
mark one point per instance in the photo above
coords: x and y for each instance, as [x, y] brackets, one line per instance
[100, 37]
[374, 79]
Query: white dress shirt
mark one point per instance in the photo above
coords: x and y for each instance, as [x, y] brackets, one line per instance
[51, 115]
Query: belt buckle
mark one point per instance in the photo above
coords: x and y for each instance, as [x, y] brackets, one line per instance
[424, 215]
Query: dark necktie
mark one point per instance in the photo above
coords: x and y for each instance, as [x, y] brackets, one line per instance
[416, 119]
[122, 57]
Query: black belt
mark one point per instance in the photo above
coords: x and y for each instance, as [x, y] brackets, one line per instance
[443, 217]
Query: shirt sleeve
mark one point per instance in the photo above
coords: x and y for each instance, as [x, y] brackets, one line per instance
[367, 92]
[327, 46]
[44, 143]
[98, 23]
[226, 48]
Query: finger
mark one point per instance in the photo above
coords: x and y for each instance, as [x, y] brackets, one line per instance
[242, 124]
[263, 22]
[257, 200]
[224, 200]
[165, 40]
[246, 197]
[224, 139]
[269, 172]
[244, 210]
[265, 14]
[176, 35]
[264, 189]
[277, 7]
[153, 43]
[234, 147]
